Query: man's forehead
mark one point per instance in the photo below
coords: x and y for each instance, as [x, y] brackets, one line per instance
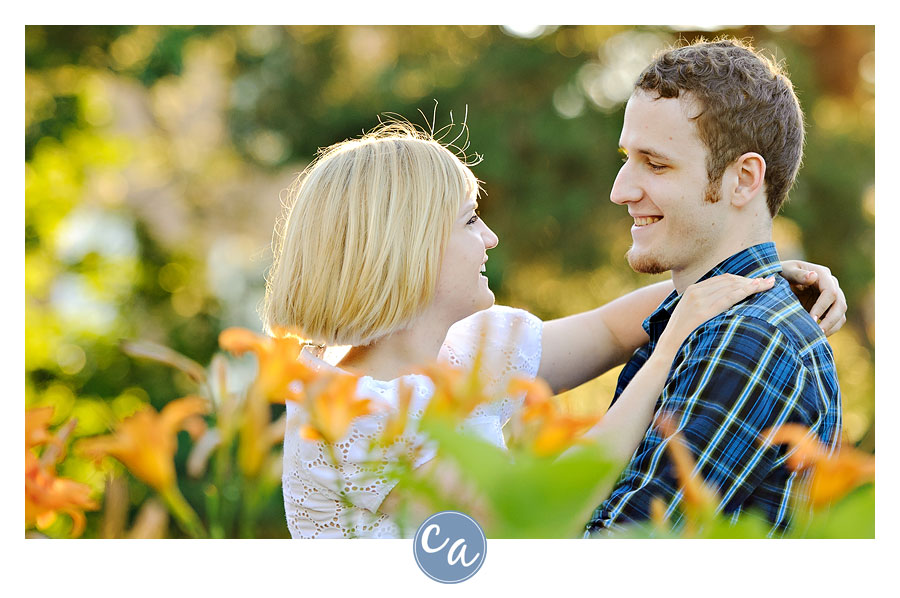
[660, 125]
[689, 103]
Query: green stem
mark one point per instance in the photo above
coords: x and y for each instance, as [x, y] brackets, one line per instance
[218, 520]
[214, 510]
[186, 516]
[249, 508]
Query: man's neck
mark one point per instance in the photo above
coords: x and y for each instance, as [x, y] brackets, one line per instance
[687, 276]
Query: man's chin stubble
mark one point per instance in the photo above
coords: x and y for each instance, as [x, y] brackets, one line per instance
[645, 264]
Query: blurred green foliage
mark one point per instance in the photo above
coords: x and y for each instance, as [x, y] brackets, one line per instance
[526, 496]
[155, 157]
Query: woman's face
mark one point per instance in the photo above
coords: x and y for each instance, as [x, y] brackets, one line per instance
[462, 289]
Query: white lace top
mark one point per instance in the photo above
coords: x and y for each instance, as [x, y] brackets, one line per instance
[312, 483]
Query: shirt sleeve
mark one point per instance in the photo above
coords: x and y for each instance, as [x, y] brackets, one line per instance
[734, 377]
[511, 339]
[337, 493]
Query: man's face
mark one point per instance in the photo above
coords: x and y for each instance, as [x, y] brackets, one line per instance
[663, 182]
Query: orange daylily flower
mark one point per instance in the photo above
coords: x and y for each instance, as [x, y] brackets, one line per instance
[37, 424]
[333, 405]
[258, 434]
[832, 475]
[281, 376]
[538, 401]
[700, 500]
[396, 422]
[835, 477]
[456, 392]
[551, 431]
[658, 513]
[806, 450]
[45, 493]
[695, 491]
[558, 432]
[278, 358]
[146, 442]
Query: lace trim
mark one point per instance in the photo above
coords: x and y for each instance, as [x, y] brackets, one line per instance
[324, 499]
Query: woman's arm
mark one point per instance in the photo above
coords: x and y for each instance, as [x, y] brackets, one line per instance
[581, 347]
[624, 425]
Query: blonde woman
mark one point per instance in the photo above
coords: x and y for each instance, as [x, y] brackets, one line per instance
[382, 249]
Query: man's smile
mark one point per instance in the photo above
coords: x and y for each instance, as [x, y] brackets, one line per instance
[646, 220]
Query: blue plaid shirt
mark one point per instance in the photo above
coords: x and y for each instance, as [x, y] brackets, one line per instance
[762, 363]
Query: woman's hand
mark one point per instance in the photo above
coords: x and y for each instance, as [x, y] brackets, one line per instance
[819, 292]
[623, 426]
[703, 300]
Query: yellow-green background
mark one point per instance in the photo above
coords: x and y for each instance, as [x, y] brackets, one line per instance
[157, 159]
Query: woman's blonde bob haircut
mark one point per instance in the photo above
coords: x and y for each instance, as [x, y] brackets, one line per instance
[365, 228]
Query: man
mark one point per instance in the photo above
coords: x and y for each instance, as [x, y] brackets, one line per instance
[712, 141]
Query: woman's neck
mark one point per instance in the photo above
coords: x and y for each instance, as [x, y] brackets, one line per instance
[398, 354]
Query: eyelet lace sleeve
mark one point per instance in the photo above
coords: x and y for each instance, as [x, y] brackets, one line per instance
[512, 347]
[337, 494]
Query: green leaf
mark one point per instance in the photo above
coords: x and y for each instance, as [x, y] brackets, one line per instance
[529, 497]
[163, 354]
[852, 517]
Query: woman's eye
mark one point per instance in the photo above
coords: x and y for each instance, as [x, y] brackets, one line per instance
[473, 219]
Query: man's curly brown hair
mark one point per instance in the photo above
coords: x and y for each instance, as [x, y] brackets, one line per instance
[747, 104]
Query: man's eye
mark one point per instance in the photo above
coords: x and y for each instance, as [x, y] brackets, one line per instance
[656, 167]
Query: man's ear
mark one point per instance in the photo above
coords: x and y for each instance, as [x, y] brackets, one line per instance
[749, 176]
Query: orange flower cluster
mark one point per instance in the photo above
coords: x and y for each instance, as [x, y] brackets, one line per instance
[699, 499]
[695, 491]
[146, 442]
[330, 398]
[456, 392]
[281, 376]
[549, 431]
[45, 493]
[280, 367]
[396, 422]
[332, 406]
[832, 475]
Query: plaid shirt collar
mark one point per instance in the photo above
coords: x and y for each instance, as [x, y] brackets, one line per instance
[757, 261]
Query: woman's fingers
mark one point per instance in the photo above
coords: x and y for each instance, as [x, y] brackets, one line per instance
[829, 309]
[740, 290]
[802, 274]
[835, 313]
[716, 294]
[819, 291]
[705, 300]
[822, 304]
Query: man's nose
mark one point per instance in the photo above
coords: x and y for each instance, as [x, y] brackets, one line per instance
[624, 189]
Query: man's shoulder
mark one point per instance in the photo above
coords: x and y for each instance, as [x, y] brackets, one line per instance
[773, 315]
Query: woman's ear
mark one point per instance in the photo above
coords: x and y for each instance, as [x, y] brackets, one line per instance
[749, 177]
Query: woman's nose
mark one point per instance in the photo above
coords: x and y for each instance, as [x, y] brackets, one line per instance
[490, 238]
